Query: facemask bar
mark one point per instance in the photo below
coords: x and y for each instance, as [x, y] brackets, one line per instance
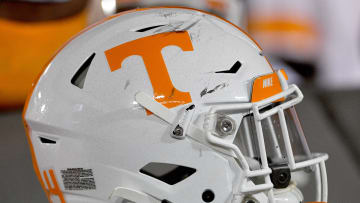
[318, 160]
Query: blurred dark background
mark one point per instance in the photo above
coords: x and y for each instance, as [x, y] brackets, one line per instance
[317, 42]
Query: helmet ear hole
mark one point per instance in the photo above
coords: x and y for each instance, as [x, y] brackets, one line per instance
[168, 173]
[208, 196]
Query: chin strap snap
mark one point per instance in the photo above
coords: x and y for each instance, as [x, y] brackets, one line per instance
[280, 176]
[182, 122]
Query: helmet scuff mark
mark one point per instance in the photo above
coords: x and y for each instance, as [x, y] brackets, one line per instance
[217, 87]
[127, 84]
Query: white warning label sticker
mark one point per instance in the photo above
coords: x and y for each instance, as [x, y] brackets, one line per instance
[78, 179]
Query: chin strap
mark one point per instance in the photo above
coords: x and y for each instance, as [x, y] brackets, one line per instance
[155, 107]
[189, 129]
[180, 121]
[134, 196]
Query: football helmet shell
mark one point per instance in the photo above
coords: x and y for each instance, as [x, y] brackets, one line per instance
[149, 106]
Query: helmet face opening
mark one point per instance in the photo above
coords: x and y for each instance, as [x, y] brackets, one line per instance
[270, 142]
[273, 138]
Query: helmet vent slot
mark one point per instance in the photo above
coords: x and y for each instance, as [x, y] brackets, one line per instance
[47, 140]
[234, 69]
[79, 78]
[148, 28]
[168, 173]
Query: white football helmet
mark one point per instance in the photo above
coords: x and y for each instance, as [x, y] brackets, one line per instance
[167, 105]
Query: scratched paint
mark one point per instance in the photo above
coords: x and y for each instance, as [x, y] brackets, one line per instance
[217, 87]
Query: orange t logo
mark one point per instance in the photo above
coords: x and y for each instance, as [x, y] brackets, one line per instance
[149, 48]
